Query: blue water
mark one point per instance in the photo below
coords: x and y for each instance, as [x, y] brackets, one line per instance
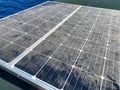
[8, 7]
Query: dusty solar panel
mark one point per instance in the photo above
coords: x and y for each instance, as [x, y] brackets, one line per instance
[63, 46]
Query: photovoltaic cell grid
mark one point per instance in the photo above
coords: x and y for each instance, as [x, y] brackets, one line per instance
[63, 46]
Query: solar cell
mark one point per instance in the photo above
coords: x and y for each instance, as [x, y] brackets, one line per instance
[3, 43]
[26, 40]
[12, 36]
[46, 47]
[32, 62]
[81, 80]
[10, 52]
[74, 42]
[57, 72]
[90, 63]
[38, 32]
[66, 55]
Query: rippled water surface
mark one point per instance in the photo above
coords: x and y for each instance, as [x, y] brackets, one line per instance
[8, 7]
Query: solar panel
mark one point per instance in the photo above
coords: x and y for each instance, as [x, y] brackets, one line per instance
[61, 46]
